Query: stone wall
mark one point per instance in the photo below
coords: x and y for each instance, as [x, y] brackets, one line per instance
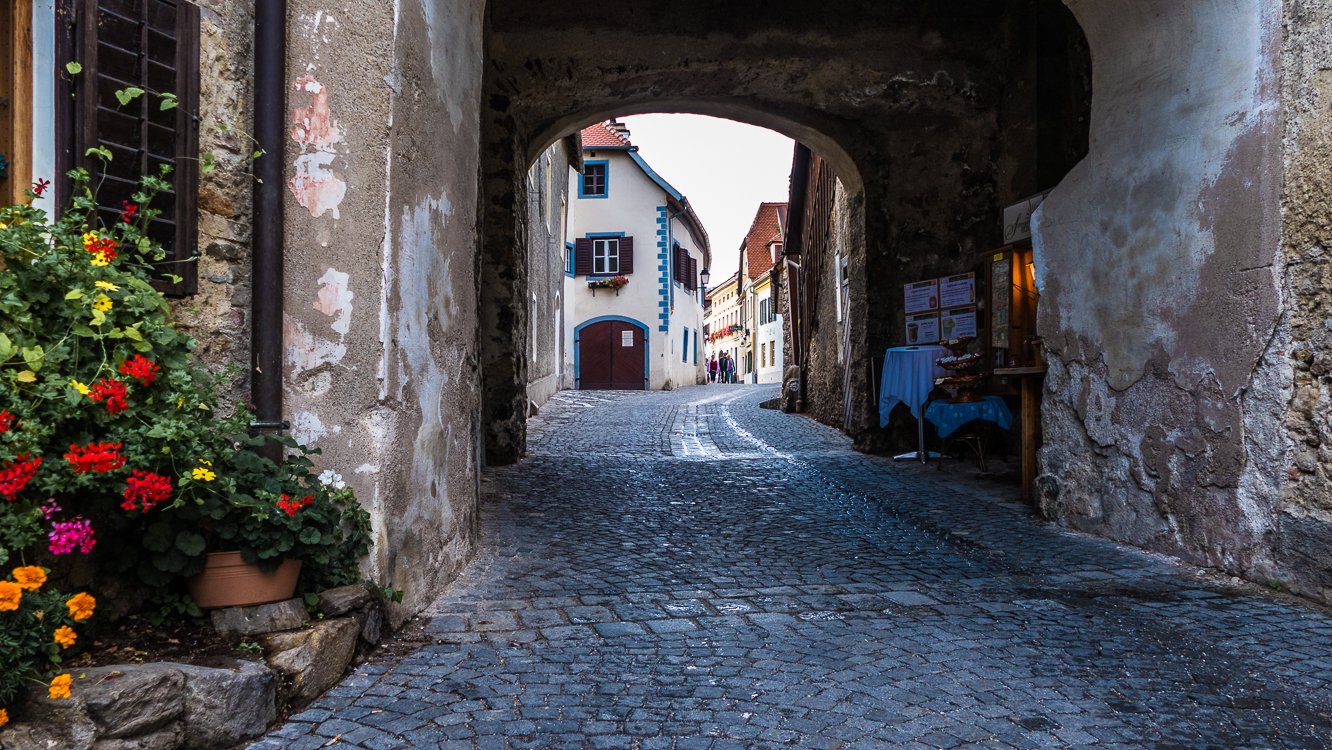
[1155, 258]
[825, 361]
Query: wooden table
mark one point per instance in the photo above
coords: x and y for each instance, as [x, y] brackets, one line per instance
[1031, 378]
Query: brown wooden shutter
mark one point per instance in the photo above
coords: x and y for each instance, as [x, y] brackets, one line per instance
[152, 45]
[582, 257]
[693, 274]
[626, 256]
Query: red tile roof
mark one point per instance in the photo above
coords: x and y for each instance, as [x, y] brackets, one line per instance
[767, 223]
[603, 135]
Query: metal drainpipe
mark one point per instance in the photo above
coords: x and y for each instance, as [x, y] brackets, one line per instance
[270, 108]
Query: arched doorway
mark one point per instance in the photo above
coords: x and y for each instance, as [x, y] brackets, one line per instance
[611, 354]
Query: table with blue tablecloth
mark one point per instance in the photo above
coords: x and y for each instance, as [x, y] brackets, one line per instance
[948, 417]
[908, 378]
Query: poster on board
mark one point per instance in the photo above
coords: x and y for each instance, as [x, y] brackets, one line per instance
[922, 296]
[957, 323]
[957, 291]
[922, 328]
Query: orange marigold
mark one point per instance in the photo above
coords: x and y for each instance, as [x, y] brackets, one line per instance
[30, 577]
[60, 686]
[10, 595]
[4, 717]
[66, 636]
[81, 606]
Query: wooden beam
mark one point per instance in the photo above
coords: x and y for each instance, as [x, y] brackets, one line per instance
[16, 83]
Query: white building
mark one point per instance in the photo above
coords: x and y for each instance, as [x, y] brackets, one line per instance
[628, 225]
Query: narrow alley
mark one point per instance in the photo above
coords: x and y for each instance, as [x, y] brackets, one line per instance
[688, 570]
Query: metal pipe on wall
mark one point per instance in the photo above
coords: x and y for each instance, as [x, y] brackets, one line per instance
[270, 108]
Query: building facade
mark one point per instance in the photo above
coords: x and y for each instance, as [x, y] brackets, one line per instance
[638, 252]
[725, 321]
[761, 345]
[549, 349]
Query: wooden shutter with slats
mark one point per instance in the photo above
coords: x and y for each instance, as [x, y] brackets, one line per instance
[582, 257]
[626, 256]
[693, 274]
[151, 45]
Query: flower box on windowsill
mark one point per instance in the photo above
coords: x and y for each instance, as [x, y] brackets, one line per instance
[616, 283]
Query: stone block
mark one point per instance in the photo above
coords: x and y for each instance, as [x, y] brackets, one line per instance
[166, 738]
[343, 599]
[235, 622]
[125, 701]
[372, 624]
[312, 660]
[78, 734]
[228, 704]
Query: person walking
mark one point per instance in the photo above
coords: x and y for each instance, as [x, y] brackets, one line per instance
[712, 369]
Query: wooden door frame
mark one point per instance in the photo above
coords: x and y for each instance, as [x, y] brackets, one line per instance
[16, 87]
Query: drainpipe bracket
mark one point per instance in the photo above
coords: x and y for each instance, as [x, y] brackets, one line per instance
[270, 426]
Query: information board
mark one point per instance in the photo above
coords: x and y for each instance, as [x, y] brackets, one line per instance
[1001, 298]
[626, 338]
[957, 323]
[922, 296]
[957, 291]
[922, 328]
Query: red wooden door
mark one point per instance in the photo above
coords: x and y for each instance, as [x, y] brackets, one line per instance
[610, 357]
[626, 356]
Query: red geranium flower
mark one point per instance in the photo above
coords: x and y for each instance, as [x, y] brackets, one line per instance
[112, 392]
[6, 421]
[95, 457]
[16, 474]
[40, 186]
[291, 506]
[139, 368]
[128, 212]
[145, 490]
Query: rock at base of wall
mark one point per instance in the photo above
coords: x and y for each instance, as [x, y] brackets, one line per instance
[226, 706]
[235, 622]
[343, 599]
[372, 623]
[162, 706]
[312, 660]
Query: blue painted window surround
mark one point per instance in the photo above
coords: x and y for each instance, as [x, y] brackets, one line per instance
[568, 259]
[594, 182]
[684, 350]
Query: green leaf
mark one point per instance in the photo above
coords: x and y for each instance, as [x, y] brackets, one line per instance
[6, 348]
[82, 330]
[98, 318]
[133, 333]
[159, 537]
[310, 535]
[209, 163]
[73, 68]
[33, 356]
[190, 543]
[74, 294]
[311, 600]
[101, 151]
[72, 395]
[168, 101]
[127, 95]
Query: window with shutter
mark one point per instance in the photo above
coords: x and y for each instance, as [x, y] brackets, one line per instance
[693, 274]
[151, 45]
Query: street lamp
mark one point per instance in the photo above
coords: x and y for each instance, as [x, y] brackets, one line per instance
[703, 277]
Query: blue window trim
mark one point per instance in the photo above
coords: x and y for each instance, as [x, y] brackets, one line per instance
[569, 259]
[684, 347]
[695, 346]
[606, 194]
[596, 235]
[647, 348]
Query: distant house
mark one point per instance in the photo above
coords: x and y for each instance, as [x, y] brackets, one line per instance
[638, 250]
[724, 324]
[762, 346]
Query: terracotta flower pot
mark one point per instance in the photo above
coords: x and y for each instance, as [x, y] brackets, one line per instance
[229, 581]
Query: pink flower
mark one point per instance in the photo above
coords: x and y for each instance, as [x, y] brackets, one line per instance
[66, 535]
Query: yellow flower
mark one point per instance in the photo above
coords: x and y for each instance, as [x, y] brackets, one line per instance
[103, 303]
[10, 595]
[107, 286]
[203, 475]
[66, 636]
[60, 686]
[81, 606]
[89, 238]
[30, 578]
[4, 715]
[205, 463]
[180, 402]
[100, 259]
[80, 387]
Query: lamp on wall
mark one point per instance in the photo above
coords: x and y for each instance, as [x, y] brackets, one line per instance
[704, 276]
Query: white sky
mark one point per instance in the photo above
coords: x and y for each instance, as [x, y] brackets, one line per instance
[725, 169]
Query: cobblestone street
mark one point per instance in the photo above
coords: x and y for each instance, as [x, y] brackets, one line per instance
[687, 570]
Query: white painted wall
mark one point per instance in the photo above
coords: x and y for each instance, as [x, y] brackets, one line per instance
[633, 206]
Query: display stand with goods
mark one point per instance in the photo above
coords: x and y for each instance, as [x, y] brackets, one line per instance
[965, 378]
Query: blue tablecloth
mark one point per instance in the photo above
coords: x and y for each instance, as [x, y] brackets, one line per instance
[948, 417]
[908, 377]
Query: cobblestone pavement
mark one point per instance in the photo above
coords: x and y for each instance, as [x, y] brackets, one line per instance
[665, 573]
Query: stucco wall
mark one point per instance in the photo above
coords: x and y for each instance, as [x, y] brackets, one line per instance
[1155, 260]
[381, 251]
[547, 220]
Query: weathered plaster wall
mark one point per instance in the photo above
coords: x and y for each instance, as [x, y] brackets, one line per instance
[1155, 259]
[1297, 369]
[380, 325]
[825, 361]
[547, 219]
